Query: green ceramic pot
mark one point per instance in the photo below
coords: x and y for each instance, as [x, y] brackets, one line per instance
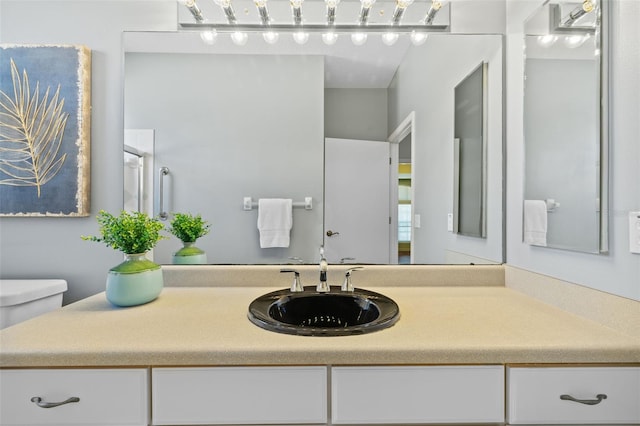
[189, 255]
[135, 281]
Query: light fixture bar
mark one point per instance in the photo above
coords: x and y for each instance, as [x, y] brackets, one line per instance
[577, 13]
[317, 28]
[365, 8]
[398, 12]
[431, 13]
[228, 10]
[296, 11]
[331, 11]
[262, 11]
[195, 10]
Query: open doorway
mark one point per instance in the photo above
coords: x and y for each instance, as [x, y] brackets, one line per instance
[402, 201]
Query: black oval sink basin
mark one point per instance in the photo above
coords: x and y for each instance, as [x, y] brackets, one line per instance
[336, 313]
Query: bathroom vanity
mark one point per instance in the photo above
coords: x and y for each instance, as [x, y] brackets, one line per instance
[465, 352]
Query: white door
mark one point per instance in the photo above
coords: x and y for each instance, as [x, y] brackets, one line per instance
[356, 216]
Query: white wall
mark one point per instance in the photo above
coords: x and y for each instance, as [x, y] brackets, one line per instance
[51, 247]
[230, 126]
[618, 271]
[425, 84]
[356, 114]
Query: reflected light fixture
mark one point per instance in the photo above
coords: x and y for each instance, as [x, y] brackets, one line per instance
[296, 10]
[228, 10]
[575, 40]
[239, 38]
[209, 36]
[390, 38]
[331, 10]
[329, 38]
[301, 37]
[271, 37]
[577, 13]
[431, 13]
[194, 9]
[418, 37]
[359, 38]
[365, 8]
[401, 6]
[547, 40]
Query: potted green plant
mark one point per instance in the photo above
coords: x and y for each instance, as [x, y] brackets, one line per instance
[188, 228]
[137, 280]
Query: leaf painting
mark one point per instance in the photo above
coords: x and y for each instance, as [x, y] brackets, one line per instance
[31, 132]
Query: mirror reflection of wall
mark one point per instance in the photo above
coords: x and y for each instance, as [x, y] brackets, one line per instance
[562, 125]
[254, 125]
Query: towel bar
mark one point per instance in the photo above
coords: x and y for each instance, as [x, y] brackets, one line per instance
[249, 204]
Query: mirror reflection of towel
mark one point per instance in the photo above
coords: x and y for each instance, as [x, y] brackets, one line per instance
[535, 222]
[275, 220]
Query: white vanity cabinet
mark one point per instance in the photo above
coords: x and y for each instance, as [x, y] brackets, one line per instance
[417, 394]
[239, 395]
[114, 397]
[573, 395]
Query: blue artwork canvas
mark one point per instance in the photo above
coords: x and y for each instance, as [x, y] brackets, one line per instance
[45, 115]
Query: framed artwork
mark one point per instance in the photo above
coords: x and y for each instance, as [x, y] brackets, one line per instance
[45, 122]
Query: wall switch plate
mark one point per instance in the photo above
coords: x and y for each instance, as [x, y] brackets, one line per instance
[416, 221]
[634, 232]
[450, 222]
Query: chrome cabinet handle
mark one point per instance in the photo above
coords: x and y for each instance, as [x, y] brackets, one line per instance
[42, 404]
[596, 401]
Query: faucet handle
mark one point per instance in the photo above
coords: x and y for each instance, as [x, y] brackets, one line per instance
[296, 286]
[346, 284]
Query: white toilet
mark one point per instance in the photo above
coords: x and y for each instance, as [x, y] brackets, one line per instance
[24, 299]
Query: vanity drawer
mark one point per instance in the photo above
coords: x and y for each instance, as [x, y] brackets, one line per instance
[106, 397]
[534, 395]
[417, 394]
[239, 395]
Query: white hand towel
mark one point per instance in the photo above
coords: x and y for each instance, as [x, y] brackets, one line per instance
[535, 222]
[275, 220]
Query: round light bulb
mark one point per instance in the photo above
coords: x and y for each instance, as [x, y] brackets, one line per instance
[331, 3]
[209, 37]
[418, 38]
[390, 38]
[271, 37]
[301, 37]
[547, 40]
[239, 38]
[359, 38]
[329, 38]
[296, 3]
[574, 41]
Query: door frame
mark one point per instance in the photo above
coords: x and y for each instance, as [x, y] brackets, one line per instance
[406, 128]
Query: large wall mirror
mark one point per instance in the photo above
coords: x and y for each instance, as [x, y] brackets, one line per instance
[219, 123]
[565, 127]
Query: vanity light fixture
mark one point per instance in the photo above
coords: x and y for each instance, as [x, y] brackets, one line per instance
[431, 13]
[365, 8]
[329, 38]
[301, 37]
[228, 10]
[209, 36]
[296, 10]
[331, 10]
[577, 13]
[576, 40]
[390, 38]
[262, 11]
[401, 6]
[418, 37]
[239, 38]
[194, 9]
[547, 40]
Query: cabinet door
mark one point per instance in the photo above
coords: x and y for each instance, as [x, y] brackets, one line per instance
[465, 394]
[105, 397]
[239, 395]
[534, 395]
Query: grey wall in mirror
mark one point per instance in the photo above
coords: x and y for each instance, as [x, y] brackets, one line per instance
[230, 123]
[565, 129]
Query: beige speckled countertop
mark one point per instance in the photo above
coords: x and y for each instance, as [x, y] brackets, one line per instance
[209, 326]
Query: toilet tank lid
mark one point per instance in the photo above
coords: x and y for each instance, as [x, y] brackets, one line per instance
[14, 292]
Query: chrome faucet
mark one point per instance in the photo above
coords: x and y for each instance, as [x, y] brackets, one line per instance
[347, 285]
[322, 286]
